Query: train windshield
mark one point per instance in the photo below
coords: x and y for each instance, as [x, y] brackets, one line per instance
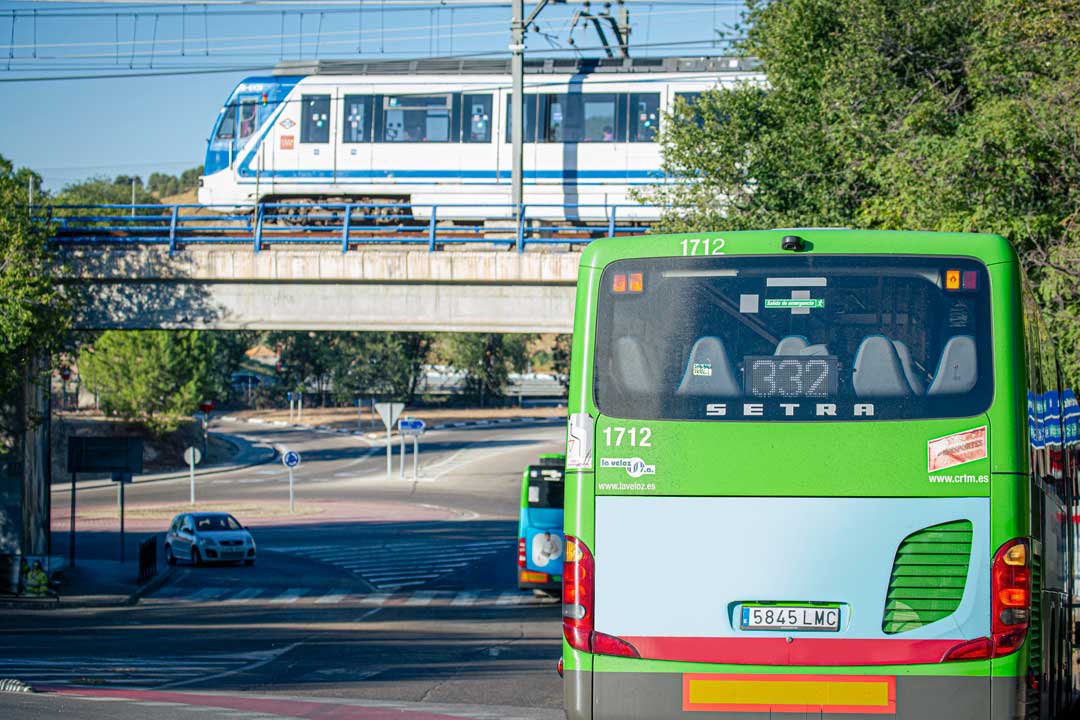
[242, 117]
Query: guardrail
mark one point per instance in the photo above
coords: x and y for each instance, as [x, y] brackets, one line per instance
[344, 225]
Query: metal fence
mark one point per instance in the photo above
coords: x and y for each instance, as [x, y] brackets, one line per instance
[343, 225]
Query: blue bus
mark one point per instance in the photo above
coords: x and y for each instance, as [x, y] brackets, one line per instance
[540, 526]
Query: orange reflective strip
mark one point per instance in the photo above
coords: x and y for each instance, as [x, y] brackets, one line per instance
[790, 693]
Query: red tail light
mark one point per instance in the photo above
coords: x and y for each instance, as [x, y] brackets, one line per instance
[521, 552]
[1010, 602]
[578, 586]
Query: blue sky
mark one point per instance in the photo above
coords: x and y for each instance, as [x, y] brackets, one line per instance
[68, 130]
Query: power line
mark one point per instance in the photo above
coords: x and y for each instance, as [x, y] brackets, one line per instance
[704, 42]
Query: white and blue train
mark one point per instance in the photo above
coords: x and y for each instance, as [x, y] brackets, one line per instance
[437, 132]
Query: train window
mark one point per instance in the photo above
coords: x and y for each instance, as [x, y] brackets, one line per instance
[227, 127]
[644, 116]
[356, 122]
[579, 118]
[530, 119]
[476, 120]
[690, 98]
[248, 116]
[315, 119]
[416, 118]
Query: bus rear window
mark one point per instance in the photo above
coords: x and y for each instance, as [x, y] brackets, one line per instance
[545, 487]
[794, 338]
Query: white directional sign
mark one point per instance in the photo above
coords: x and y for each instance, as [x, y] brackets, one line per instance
[389, 412]
[410, 426]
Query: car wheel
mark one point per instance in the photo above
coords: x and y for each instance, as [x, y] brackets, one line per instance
[249, 563]
[196, 558]
[169, 557]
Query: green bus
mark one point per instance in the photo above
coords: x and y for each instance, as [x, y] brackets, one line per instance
[816, 473]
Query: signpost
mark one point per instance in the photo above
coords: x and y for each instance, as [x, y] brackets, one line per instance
[389, 412]
[291, 459]
[206, 407]
[121, 479]
[414, 428]
[122, 455]
[192, 457]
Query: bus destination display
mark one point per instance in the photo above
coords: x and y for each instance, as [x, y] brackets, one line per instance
[770, 376]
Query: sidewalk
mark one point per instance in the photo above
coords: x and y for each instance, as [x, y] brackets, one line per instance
[92, 583]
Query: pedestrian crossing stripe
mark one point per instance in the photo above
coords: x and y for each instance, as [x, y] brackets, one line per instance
[414, 598]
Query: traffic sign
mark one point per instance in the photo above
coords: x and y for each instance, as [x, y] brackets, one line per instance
[206, 406]
[411, 426]
[290, 459]
[389, 412]
[122, 477]
[192, 456]
[65, 373]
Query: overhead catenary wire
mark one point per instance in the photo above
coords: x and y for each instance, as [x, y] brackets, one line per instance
[703, 42]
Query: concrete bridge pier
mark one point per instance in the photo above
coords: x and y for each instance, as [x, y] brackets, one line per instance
[25, 478]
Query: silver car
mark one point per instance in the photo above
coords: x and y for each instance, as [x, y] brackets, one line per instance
[205, 537]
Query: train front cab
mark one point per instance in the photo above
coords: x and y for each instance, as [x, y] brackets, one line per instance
[240, 127]
[642, 639]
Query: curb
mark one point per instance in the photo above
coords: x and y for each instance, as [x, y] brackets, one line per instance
[11, 685]
[59, 603]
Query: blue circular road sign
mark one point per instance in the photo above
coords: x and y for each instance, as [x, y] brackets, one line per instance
[291, 459]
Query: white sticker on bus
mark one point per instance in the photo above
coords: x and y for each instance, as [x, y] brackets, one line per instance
[635, 467]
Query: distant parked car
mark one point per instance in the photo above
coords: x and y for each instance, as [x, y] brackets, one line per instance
[208, 537]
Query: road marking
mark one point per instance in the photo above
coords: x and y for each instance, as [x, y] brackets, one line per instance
[333, 597]
[464, 598]
[420, 598]
[290, 596]
[245, 594]
[207, 594]
[377, 598]
[509, 598]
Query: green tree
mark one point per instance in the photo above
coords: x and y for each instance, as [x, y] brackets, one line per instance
[955, 115]
[34, 310]
[387, 364]
[103, 191]
[487, 359]
[153, 377]
[560, 357]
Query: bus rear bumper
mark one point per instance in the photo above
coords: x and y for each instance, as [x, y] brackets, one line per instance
[702, 696]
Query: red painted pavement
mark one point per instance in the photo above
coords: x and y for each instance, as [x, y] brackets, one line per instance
[329, 710]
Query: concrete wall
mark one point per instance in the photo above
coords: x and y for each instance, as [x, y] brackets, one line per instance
[293, 287]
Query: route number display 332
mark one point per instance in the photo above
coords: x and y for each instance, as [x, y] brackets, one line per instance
[777, 617]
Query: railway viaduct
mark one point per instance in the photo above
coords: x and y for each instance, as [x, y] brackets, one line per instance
[293, 287]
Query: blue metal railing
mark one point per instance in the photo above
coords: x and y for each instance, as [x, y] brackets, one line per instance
[345, 225]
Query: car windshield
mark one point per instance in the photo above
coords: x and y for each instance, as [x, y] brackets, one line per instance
[214, 523]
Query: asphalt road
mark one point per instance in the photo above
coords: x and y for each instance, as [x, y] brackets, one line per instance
[381, 596]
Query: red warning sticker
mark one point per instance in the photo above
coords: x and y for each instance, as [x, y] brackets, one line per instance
[951, 450]
[287, 142]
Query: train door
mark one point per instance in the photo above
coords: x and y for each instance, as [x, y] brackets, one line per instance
[357, 126]
[582, 149]
[315, 153]
[477, 151]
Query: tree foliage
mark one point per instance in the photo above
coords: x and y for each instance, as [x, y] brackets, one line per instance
[163, 184]
[382, 364]
[958, 115]
[487, 359]
[154, 377]
[34, 310]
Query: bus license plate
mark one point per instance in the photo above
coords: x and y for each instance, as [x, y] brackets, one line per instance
[778, 617]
